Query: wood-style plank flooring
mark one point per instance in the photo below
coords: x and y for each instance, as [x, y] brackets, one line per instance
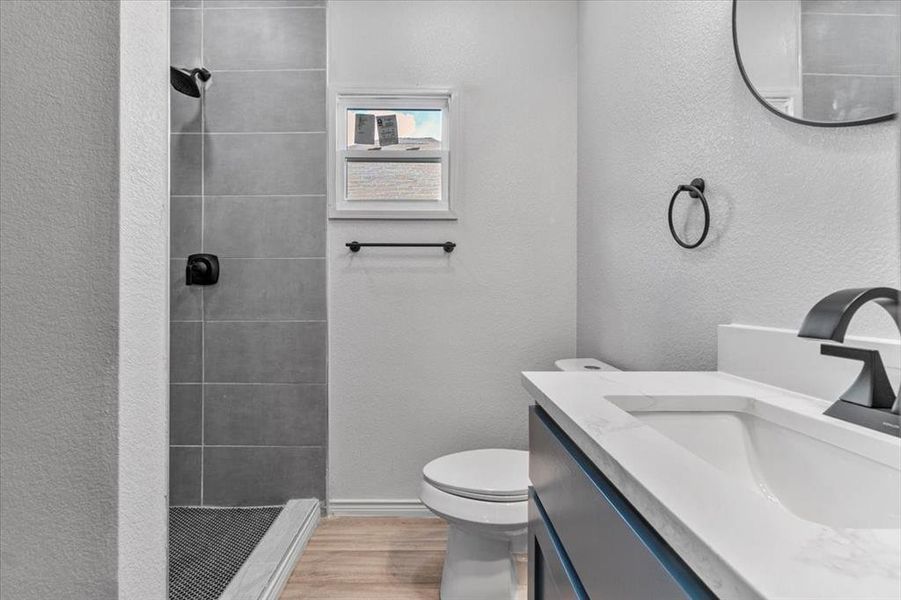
[373, 558]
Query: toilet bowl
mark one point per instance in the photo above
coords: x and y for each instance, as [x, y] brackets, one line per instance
[483, 495]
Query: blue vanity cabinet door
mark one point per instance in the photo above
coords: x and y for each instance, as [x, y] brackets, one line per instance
[551, 576]
[614, 552]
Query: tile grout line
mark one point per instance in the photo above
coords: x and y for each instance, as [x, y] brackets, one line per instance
[251, 196]
[272, 70]
[202, 300]
[250, 446]
[859, 75]
[251, 321]
[847, 14]
[223, 257]
[206, 133]
[243, 383]
[250, 8]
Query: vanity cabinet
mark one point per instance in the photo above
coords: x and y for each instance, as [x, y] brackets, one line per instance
[550, 572]
[585, 539]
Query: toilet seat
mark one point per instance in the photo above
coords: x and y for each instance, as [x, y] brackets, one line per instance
[501, 515]
[488, 475]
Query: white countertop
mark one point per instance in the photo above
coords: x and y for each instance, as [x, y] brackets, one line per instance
[737, 541]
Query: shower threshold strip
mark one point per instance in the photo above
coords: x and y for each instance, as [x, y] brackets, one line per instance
[265, 572]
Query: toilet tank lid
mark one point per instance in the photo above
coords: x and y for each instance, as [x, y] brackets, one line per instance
[491, 473]
[583, 364]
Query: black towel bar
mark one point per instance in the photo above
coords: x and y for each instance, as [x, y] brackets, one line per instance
[355, 245]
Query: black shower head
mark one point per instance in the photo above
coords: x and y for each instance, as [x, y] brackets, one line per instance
[183, 80]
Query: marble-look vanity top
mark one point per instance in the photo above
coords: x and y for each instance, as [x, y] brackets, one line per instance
[759, 493]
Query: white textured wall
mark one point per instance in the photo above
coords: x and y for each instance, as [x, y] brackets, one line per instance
[426, 350]
[143, 298]
[58, 324]
[797, 211]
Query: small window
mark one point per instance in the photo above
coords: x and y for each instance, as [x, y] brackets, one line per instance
[392, 156]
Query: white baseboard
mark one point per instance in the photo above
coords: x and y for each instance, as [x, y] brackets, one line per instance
[344, 507]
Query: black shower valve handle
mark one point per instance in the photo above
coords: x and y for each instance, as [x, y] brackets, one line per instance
[198, 268]
[202, 269]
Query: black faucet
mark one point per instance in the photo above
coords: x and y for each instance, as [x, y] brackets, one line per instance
[870, 401]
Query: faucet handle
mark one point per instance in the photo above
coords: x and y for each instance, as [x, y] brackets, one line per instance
[872, 387]
[202, 269]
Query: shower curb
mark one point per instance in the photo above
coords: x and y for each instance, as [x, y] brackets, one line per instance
[265, 572]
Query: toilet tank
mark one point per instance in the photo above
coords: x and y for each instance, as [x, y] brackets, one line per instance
[583, 364]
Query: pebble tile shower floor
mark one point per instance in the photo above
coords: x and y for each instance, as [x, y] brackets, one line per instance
[208, 545]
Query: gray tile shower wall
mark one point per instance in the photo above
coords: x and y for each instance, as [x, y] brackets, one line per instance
[248, 397]
[264, 38]
[184, 475]
[282, 101]
[264, 352]
[264, 163]
[278, 290]
[265, 415]
[185, 414]
[266, 227]
[260, 475]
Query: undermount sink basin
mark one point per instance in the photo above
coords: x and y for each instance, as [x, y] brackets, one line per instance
[818, 470]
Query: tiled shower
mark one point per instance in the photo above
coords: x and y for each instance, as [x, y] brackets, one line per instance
[248, 396]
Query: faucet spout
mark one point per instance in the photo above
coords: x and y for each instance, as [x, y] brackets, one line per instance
[828, 320]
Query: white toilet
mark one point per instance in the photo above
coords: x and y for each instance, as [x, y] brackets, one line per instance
[483, 495]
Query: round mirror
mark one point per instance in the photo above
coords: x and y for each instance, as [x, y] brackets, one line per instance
[821, 62]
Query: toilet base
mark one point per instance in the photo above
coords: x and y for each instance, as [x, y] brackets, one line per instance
[477, 567]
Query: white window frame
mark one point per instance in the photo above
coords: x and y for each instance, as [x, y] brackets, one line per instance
[344, 98]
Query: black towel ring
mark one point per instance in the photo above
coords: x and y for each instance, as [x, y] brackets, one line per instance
[696, 190]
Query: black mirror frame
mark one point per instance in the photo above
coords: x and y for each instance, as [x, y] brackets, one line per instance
[744, 75]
